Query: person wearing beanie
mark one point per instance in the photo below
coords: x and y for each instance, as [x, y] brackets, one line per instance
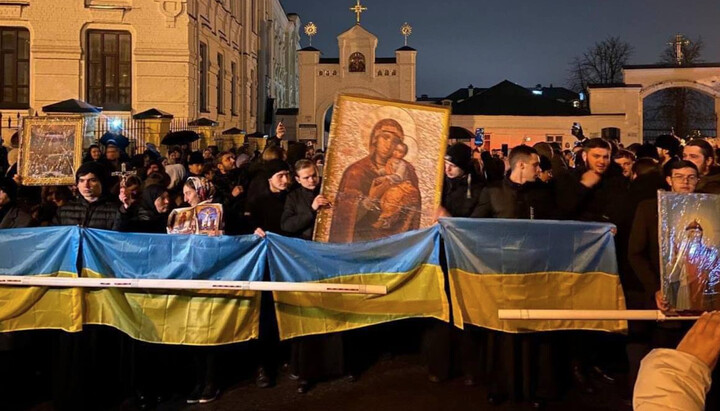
[93, 208]
[11, 216]
[195, 164]
[461, 186]
[461, 192]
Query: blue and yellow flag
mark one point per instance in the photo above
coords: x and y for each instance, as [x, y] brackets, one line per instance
[407, 264]
[520, 264]
[176, 317]
[48, 252]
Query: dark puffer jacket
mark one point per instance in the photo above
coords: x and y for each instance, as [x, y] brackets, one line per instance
[102, 213]
[506, 199]
[298, 218]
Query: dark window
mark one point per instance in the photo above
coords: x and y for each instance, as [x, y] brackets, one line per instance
[357, 63]
[220, 84]
[203, 77]
[233, 89]
[611, 133]
[15, 60]
[109, 76]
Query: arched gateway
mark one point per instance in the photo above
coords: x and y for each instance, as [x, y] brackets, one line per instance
[356, 70]
[644, 80]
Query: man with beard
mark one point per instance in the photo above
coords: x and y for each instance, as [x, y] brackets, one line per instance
[701, 153]
[231, 185]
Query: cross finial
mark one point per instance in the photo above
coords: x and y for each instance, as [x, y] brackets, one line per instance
[358, 9]
[406, 31]
[310, 31]
[679, 43]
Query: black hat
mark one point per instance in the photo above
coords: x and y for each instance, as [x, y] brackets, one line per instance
[8, 186]
[460, 154]
[669, 143]
[196, 157]
[273, 167]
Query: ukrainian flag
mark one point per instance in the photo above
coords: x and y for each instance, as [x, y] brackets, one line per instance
[407, 264]
[172, 316]
[48, 252]
[521, 264]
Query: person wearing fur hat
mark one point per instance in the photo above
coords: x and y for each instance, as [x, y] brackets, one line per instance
[93, 208]
[668, 148]
[11, 216]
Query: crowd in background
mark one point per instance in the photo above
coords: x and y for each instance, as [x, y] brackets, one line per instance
[278, 190]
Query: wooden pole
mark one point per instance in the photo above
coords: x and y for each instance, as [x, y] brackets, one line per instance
[36, 281]
[635, 315]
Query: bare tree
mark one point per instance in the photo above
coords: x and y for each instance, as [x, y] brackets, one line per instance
[680, 109]
[600, 64]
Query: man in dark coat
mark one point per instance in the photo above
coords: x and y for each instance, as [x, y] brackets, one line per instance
[93, 208]
[519, 194]
[461, 185]
[644, 257]
[303, 202]
[231, 184]
[11, 216]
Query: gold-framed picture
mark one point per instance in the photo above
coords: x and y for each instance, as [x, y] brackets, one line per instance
[383, 168]
[51, 150]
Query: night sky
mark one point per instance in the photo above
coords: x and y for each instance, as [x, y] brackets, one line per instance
[483, 42]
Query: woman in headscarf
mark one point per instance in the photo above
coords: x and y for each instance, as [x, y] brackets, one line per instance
[196, 191]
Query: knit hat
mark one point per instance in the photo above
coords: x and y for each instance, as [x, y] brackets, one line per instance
[196, 157]
[460, 154]
[273, 167]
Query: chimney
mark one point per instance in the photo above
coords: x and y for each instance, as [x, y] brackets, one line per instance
[471, 90]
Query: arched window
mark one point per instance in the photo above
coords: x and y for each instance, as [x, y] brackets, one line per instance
[357, 63]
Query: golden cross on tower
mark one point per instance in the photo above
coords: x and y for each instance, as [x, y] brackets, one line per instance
[358, 9]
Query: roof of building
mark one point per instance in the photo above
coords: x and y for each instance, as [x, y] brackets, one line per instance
[308, 48]
[71, 106]
[406, 48]
[669, 66]
[202, 121]
[152, 113]
[510, 99]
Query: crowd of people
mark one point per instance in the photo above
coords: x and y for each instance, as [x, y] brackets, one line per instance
[278, 190]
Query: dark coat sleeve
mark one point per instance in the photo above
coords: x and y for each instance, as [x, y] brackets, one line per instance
[484, 205]
[296, 217]
[639, 247]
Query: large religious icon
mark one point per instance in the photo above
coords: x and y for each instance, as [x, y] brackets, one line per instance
[383, 170]
[690, 251]
[51, 150]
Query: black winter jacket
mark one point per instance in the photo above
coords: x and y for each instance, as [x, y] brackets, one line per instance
[102, 213]
[506, 199]
[298, 218]
[455, 195]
